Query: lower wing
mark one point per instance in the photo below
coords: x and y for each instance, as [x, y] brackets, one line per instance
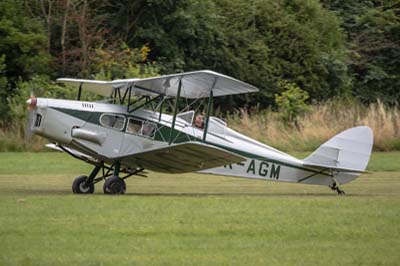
[182, 158]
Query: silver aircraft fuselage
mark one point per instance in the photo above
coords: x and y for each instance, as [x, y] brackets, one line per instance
[84, 127]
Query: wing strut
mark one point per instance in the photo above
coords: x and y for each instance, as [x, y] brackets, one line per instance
[210, 102]
[78, 98]
[175, 110]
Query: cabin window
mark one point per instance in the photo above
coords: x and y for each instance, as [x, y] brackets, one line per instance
[134, 126]
[148, 129]
[138, 127]
[112, 121]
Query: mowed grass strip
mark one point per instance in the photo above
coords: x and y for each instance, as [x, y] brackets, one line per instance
[193, 219]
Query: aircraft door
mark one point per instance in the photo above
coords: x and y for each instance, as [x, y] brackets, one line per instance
[139, 136]
[105, 139]
[114, 125]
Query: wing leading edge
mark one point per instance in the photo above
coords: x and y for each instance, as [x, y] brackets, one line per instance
[196, 84]
[183, 158]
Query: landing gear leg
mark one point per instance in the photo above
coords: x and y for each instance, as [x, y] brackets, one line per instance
[338, 190]
[115, 185]
[84, 184]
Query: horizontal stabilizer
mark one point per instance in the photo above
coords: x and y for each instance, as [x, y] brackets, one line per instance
[182, 158]
[338, 169]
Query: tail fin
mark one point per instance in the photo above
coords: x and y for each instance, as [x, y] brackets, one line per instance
[347, 153]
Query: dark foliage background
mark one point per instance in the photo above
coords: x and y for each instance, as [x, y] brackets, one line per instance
[329, 48]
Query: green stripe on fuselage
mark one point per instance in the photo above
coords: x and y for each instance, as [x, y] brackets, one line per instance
[88, 116]
[257, 157]
[163, 132]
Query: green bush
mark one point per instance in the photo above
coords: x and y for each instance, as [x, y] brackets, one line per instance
[292, 102]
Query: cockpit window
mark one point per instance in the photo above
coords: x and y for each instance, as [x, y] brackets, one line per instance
[142, 128]
[112, 121]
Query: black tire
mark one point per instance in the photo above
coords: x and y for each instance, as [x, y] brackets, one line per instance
[79, 186]
[114, 186]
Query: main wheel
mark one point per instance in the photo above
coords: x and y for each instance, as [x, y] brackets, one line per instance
[114, 185]
[79, 186]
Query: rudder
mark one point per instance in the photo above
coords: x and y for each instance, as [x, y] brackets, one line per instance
[348, 153]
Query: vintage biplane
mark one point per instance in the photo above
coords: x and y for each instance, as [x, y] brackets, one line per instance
[150, 124]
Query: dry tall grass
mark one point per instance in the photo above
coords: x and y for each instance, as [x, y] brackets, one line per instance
[320, 124]
[12, 138]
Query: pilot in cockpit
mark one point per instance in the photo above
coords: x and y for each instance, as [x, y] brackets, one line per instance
[199, 121]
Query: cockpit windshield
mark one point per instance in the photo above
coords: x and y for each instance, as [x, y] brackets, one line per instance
[187, 116]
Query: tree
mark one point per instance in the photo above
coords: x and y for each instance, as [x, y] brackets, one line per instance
[373, 33]
[267, 41]
[22, 48]
[182, 35]
[3, 88]
[292, 103]
[120, 61]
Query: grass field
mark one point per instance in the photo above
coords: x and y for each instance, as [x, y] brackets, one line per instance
[194, 219]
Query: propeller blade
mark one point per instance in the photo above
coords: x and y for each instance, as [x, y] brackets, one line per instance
[30, 116]
[30, 120]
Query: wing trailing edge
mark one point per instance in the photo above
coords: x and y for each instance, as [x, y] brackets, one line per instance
[183, 158]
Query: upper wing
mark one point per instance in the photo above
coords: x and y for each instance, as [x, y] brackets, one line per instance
[182, 158]
[197, 84]
[101, 87]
